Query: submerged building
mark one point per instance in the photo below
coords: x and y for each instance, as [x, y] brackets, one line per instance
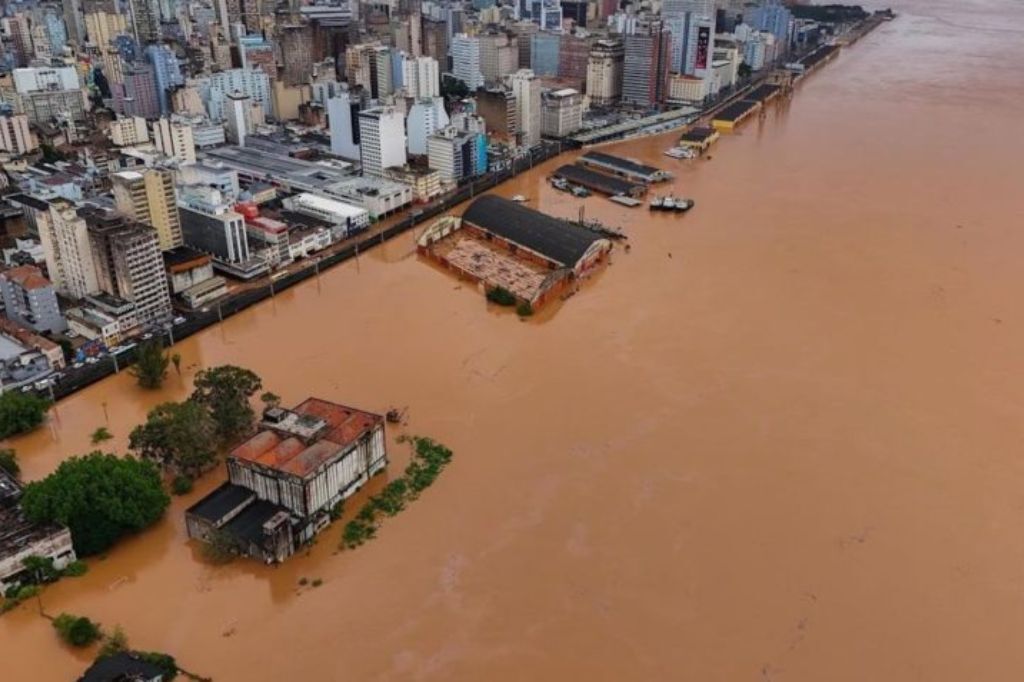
[21, 538]
[284, 482]
[500, 243]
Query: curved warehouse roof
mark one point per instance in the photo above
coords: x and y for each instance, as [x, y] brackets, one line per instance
[555, 239]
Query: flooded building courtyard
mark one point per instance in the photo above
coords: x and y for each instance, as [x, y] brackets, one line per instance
[780, 439]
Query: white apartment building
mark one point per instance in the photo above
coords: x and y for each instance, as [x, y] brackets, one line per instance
[128, 131]
[421, 77]
[561, 112]
[15, 135]
[381, 139]
[525, 88]
[40, 79]
[175, 140]
[65, 240]
[425, 117]
[465, 51]
[251, 82]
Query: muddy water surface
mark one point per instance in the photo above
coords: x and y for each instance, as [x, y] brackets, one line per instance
[778, 440]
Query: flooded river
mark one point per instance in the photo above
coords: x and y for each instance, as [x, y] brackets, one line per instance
[781, 439]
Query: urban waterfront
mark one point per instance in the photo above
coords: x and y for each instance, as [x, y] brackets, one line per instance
[777, 440]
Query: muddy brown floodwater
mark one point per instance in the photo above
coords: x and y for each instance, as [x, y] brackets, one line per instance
[781, 439]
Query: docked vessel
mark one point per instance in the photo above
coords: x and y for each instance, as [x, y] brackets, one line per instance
[680, 153]
[671, 203]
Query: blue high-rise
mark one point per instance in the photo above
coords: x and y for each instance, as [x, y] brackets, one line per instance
[774, 17]
[167, 73]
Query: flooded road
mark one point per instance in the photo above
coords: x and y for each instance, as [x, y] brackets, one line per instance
[778, 440]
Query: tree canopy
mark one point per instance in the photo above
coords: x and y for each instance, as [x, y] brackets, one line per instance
[179, 436]
[9, 462]
[99, 497]
[20, 412]
[151, 364]
[225, 391]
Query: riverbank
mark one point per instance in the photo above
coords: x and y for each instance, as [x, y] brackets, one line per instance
[788, 450]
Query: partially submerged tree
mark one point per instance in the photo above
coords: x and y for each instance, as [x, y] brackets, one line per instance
[225, 392]
[99, 497]
[177, 436]
[77, 631]
[270, 400]
[150, 364]
[9, 462]
[176, 361]
[100, 435]
[21, 412]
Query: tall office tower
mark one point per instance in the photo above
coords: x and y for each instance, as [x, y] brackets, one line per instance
[65, 240]
[381, 81]
[604, 72]
[19, 35]
[466, 60]
[138, 95]
[174, 139]
[692, 25]
[645, 68]
[381, 140]
[499, 55]
[436, 41]
[236, 112]
[573, 55]
[296, 53]
[129, 264]
[145, 16]
[525, 88]
[102, 27]
[148, 197]
[421, 77]
[166, 72]
[343, 119]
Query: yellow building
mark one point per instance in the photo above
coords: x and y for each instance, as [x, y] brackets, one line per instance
[148, 196]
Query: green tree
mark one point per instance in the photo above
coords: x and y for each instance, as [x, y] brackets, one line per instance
[20, 412]
[40, 569]
[99, 497]
[9, 462]
[225, 391]
[67, 348]
[100, 435]
[178, 436]
[114, 643]
[76, 630]
[744, 70]
[151, 365]
[270, 400]
[453, 88]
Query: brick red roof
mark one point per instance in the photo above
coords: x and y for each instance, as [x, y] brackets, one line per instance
[27, 276]
[288, 454]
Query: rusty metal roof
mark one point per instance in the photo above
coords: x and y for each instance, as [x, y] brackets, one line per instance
[345, 426]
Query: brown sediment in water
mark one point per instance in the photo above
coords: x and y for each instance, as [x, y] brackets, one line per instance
[778, 440]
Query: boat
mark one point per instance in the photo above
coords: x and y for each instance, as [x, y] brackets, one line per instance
[560, 183]
[578, 191]
[671, 203]
[680, 153]
[519, 199]
[625, 201]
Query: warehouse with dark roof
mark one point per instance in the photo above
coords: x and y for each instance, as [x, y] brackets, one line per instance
[501, 243]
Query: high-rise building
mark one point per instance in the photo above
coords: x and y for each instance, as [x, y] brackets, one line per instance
[692, 26]
[544, 54]
[166, 72]
[64, 237]
[128, 264]
[573, 54]
[174, 139]
[561, 112]
[343, 119]
[15, 135]
[137, 96]
[381, 140]
[421, 77]
[148, 197]
[645, 66]
[102, 27]
[128, 131]
[466, 60]
[604, 72]
[251, 82]
[30, 299]
[499, 55]
[145, 16]
[296, 52]
[236, 119]
[525, 88]
[210, 224]
[425, 117]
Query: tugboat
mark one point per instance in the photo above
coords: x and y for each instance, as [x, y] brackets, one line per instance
[560, 184]
[519, 199]
[578, 191]
[680, 153]
[671, 203]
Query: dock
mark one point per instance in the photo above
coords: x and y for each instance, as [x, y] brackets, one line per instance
[734, 114]
[624, 168]
[599, 182]
[626, 201]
